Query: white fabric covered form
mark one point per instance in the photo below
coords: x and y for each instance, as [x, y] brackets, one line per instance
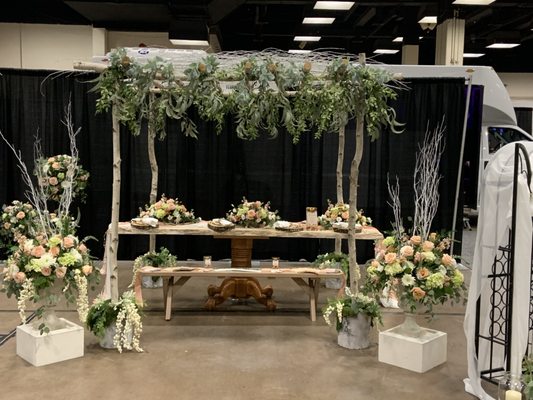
[493, 231]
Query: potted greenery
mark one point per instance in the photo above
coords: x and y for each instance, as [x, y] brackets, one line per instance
[161, 259]
[334, 260]
[116, 323]
[354, 315]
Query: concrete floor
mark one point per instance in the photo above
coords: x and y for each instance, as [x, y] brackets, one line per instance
[237, 352]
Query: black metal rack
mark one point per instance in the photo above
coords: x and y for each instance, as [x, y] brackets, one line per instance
[501, 290]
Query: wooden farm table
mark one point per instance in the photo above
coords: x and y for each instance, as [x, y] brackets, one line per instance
[178, 276]
[241, 246]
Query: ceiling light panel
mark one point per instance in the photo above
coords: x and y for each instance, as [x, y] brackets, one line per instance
[473, 55]
[428, 20]
[307, 38]
[502, 45]
[299, 51]
[398, 39]
[318, 20]
[334, 5]
[386, 51]
[473, 2]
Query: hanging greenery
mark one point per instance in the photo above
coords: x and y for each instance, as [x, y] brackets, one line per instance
[264, 95]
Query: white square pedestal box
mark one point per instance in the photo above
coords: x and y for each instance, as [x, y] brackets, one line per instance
[58, 345]
[415, 354]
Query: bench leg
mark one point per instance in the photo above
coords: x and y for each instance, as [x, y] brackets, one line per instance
[310, 289]
[168, 284]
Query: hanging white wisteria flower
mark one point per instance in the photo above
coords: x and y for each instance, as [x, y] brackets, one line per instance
[26, 293]
[82, 302]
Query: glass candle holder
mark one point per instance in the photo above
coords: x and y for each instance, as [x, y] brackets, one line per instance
[275, 262]
[207, 261]
[311, 218]
[511, 387]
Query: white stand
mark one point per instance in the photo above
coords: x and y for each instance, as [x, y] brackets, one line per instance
[58, 345]
[416, 354]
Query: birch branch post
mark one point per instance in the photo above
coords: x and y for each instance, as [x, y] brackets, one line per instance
[153, 168]
[115, 208]
[340, 163]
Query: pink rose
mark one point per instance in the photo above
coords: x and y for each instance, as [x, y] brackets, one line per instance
[20, 215]
[68, 242]
[56, 165]
[20, 277]
[37, 251]
[416, 240]
[428, 246]
[447, 260]
[61, 272]
[53, 181]
[171, 201]
[82, 248]
[407, 251]
[390, 258]
[54, 251]
[87, 269]
[251, 214]
[46, 270]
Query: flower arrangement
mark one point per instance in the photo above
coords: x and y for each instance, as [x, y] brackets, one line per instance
[252, 214]
[41, 261]
[334, 260]
[339, 212]
[161, 259]
[17, 219]
[420, 272]
[350, 305]
[124, 313]
[171, 211]
[53, 173]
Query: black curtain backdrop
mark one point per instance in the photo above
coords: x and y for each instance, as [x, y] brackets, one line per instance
[214, 171]
[523, 118]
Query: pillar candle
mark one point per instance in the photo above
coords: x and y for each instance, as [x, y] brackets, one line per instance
[513, 395]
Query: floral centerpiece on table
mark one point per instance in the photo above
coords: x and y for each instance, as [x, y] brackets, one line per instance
[16, 219]
[252, 214]
[171, 211]
[340, 212]
[125, 314]
[350, 305]
[57, 172]
[420, 272]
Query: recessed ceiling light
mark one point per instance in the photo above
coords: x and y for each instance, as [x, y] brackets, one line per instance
[318, 20]
[333, 5]
[473, 2]
[189, 42]
[307, 38]
[299, 51]
[398, 39]
[502, 45]
[428, 20]
[386, 51]
[473, 55]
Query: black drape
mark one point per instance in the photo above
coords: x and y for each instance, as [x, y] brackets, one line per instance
[214, 171]
[523, 118]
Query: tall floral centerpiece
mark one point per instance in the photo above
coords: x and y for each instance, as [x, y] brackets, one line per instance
[252, 214]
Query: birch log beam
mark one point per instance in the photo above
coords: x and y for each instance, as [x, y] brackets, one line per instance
[340, 163]
[115, 207]
[153, 168]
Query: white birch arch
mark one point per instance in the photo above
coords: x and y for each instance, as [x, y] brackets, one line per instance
[493, 231]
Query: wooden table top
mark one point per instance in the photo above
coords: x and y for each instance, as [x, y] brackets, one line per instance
[201, 229]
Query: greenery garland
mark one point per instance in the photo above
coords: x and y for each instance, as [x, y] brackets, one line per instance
[266, 95]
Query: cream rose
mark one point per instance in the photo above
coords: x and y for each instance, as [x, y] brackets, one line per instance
[19, 277]
[390, 258]
[416, 240]
[428, 246]
[61, 272]
[418, 294]
[53, 181]
[87, 269]
[46, 270]
[422, 273]
[407, 251]
[447, 260]
[82, 248]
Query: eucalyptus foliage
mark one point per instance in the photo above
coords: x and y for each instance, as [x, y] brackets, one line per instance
[264, 96]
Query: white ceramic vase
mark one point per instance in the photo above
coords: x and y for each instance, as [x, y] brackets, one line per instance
[355, 332]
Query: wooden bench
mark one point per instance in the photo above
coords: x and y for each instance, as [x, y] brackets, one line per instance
[176, 277]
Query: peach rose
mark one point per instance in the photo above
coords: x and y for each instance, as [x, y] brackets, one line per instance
[251, 214]
[171, 201]
[20, 215]
[390, 258]
[56, 165]
[158, 205]
[345, 215]
[416, 240]
[68, 242]
[20, 277]
[422, 273]
[374, 264]
[432, 236]
[447, 260]
[428, 246]
[53, 181]
[51, 160]
[37, 251]
[407, 251]
[54, 251]
[46, 270]
[258, 204]
[82, 248]
[61, 272]
[171, 206]
[7, 225]
[418, 294]
[87, 269]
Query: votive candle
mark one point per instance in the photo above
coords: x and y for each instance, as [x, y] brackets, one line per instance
[207, 261]
[275, 262]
